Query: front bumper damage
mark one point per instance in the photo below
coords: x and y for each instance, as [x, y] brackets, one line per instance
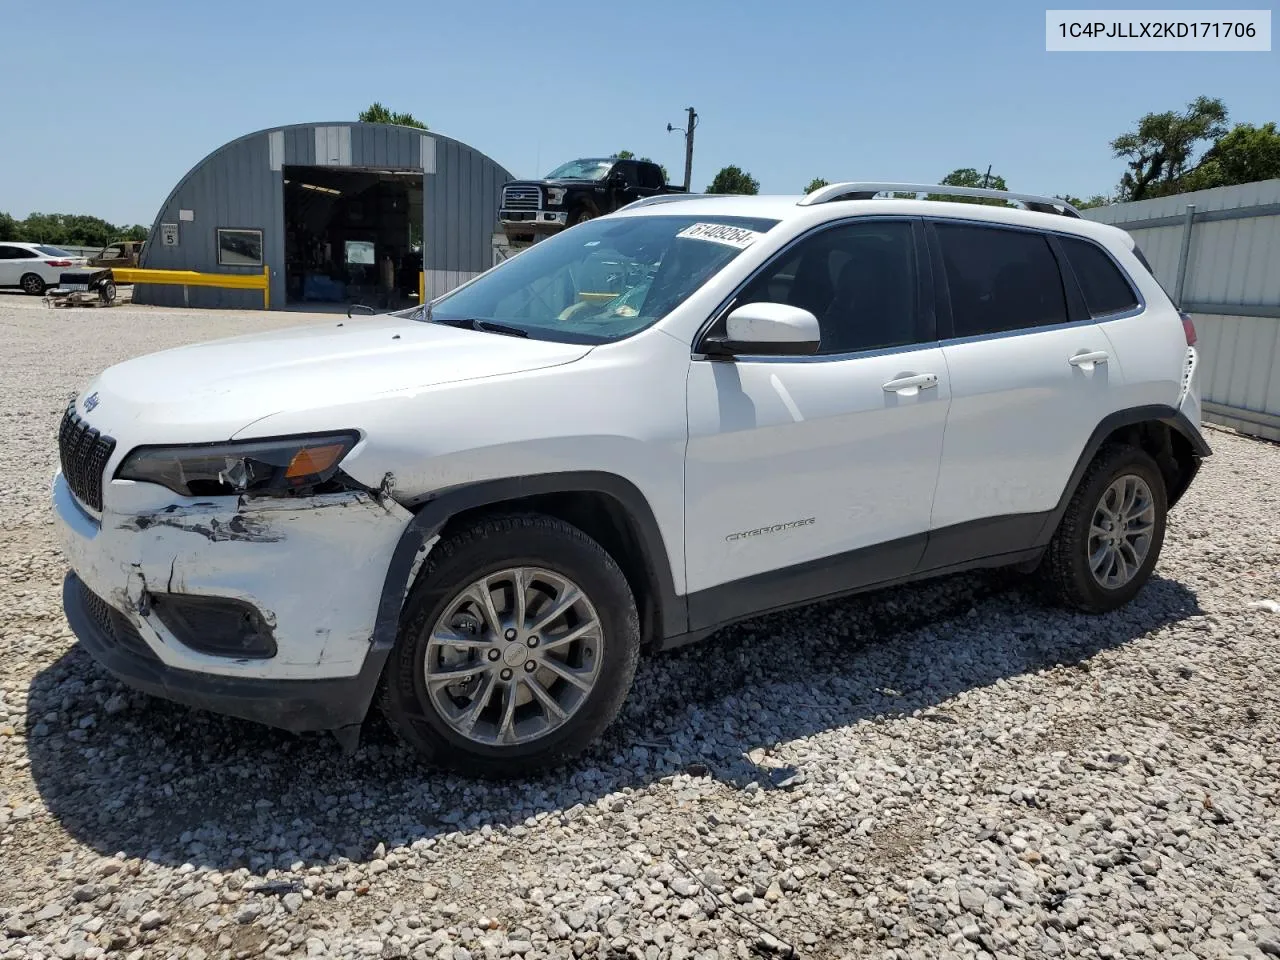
[314, 568]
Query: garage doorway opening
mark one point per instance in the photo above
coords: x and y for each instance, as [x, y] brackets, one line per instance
[352, 236]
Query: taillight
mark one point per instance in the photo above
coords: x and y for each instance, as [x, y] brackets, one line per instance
[58, 263]
[1188, 328]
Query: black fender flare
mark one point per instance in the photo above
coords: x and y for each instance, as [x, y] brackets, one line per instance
[445, 504]
[1171, 417]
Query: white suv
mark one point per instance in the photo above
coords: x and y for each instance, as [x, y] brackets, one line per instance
[479, 513]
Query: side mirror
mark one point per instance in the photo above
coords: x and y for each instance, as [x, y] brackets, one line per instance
[767, 329]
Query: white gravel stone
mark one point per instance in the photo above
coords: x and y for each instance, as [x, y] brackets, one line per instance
[974, 773]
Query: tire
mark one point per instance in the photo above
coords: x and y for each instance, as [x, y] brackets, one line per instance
[1078, 548]
[107, 292]
[33, 284]
[433, 716]
[581, 215]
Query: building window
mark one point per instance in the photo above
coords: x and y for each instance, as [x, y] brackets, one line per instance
[240, 248]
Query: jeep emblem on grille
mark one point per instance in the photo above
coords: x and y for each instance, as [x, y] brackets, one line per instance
[90, 402]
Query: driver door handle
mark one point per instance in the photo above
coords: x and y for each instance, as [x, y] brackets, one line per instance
[912, 385]
[1087, 361]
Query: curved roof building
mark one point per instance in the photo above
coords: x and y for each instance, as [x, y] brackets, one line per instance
[336, 212]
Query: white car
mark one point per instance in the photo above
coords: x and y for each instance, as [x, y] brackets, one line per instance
[479, 513]
[34, 267]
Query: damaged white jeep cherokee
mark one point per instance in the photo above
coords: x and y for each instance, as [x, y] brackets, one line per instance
[479, 513]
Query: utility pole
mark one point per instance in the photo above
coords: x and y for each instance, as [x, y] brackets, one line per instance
[688, 145]
[986, 177]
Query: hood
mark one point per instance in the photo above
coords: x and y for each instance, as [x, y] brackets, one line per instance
[209, 391]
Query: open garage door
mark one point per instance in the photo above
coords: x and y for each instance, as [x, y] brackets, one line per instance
[352, 236]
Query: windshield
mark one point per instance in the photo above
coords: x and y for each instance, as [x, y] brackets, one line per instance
[604, 279]
[581, 170]
[52, 251]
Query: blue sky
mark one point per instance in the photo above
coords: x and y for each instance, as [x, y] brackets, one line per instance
[116, 103]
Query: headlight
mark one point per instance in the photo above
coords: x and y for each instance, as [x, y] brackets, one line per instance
[555, 196]
[266, 468]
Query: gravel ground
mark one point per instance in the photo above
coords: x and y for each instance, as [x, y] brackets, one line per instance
[945, 770]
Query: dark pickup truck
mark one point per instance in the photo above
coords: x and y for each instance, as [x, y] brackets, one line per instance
[576, 191]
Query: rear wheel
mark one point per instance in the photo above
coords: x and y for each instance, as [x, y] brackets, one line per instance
[33, 284]
[1111, 534]
[107, 292]
[516, 649]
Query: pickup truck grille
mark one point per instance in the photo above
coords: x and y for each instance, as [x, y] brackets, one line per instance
[84, 453]
[521, 198]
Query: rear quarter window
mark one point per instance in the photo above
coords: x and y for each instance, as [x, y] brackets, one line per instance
[1105, 287]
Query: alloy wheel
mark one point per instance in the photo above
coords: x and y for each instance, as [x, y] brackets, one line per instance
[1120, 533]
[513, 656]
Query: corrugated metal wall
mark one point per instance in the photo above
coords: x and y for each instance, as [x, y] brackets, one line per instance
[242, 185]
[1230, 285]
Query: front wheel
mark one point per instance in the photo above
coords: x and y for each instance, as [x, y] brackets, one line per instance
[581, 215]
[1111, 534]
[517, 648]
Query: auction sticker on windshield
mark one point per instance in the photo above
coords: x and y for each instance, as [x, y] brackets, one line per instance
[739, 237]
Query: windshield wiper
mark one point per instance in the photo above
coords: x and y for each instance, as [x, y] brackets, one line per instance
[484, 326]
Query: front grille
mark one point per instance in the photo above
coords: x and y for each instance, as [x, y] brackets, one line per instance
[115, 626]
[521, 198]
[84, 453]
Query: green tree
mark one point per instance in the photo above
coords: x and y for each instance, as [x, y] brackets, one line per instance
[377, 113]
[1244, 154]
[1159, 150]
[817, 183]
[74, 229]
[624, 155]
[733, 179]
[970, 177]
[1097, 200]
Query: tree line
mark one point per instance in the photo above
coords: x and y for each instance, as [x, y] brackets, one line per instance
[70, 229]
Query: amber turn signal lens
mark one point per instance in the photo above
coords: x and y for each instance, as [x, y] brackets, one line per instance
[310, 461]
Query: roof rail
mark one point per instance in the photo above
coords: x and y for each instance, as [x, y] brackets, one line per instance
[856, 190]
[662, 198]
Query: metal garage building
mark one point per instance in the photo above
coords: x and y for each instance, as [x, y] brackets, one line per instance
[336, 212]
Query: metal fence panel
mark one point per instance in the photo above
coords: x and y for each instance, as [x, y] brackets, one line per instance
[1230, 284]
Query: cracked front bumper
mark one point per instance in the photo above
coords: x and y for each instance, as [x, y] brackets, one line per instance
[295, 705]
[314, 568]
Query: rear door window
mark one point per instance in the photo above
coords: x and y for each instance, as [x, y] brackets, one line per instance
[1000, 279]
[1106, 289]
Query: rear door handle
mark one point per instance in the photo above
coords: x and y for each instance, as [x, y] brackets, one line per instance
[1086, 361]
[912, 385]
